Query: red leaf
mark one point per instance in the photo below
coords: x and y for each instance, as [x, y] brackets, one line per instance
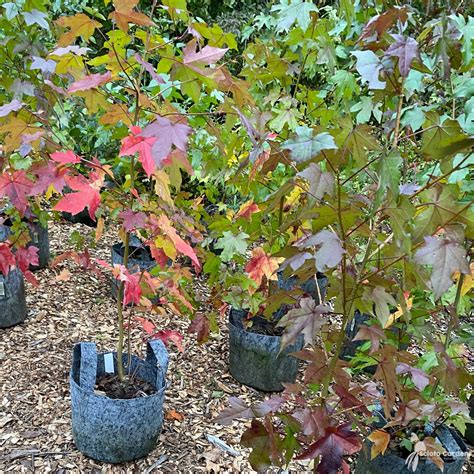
[7, 259]
[261, 264]
[16, 186]
[247, 209]
[132, 291]
[65, 157]
[147, 325]
[137, 143]
[132, 220]
[348, 400]
[201, 326]
[87, 195]
[49, 175]
[337, 442]
[89, 82]
[26, 257]
[168, 335]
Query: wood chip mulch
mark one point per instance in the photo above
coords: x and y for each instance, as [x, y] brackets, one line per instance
[70, 306]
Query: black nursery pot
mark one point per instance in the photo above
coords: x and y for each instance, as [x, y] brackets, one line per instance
[39, 236]
[350, 347]
[82, 217]
[309, 286]
[12, 299]
[469, 435]
[393, 463]
[254, 359]
[116, 430]
[140, 259]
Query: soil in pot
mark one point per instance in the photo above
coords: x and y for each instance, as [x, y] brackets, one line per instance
[308, 286]
[132, 387]
[262, 325]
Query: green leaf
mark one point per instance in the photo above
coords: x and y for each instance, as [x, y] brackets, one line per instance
[382, 301]
[294, 11]
[441, 136]
[232, 244]
[413, 118]
[358, 140]
[306, 146]
[11, 10]
[369, 66]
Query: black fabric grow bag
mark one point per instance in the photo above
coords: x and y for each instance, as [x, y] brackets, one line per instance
[39, 236]
[391, 463]
[254, 359]
[12, 299]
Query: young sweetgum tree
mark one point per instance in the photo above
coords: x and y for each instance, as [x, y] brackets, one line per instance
[374, 137]
[146, 90]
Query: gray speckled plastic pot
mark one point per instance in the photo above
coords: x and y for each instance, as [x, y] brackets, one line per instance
[254, 358]
[113, 430]
[39, 236]
[12, 299]
[394, 464]
[134, 264]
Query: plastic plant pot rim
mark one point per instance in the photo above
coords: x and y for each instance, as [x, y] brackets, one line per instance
[121, 401]
[243, 328]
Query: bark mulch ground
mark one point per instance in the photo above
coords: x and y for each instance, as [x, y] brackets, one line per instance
[72, 305]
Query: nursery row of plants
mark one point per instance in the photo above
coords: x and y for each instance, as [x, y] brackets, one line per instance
[314, 165]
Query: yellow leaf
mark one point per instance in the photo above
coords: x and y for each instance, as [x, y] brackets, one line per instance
[468, 282]
[167, 246]
[116, 113]
[94, 100]
[380, 439]
[79, 25]
[394, 316]
[69, 64]
[15, 128]
[162, 186]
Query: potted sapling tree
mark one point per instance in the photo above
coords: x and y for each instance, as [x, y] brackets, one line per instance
[377, 204]
[117, 397]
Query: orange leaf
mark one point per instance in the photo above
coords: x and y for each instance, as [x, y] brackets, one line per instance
[174, 415]
[64, 275]
[380, 439]
[260, 265]
[124, 14]
[247, 209]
